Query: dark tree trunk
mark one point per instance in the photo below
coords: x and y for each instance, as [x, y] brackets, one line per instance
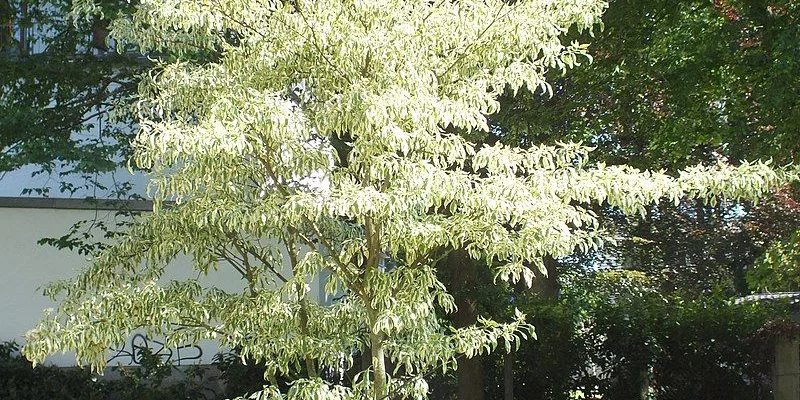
[100, 34]
[508, 376]
[547, 287]
[464, 276]
[7, 15]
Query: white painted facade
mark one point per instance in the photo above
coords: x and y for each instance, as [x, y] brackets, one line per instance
[27, 267]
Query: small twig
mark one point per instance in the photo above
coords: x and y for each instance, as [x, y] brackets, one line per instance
[319, 50]
[477, 39]
[238, 21]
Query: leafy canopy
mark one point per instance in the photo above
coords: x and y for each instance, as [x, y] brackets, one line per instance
[675, 83]
[58, 89]
[324, 141]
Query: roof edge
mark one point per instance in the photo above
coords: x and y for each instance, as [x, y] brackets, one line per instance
[75, 204]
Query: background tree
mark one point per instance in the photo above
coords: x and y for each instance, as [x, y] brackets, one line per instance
[60, 88]
[674, 83]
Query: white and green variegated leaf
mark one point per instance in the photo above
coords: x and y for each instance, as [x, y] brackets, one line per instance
[316, 141]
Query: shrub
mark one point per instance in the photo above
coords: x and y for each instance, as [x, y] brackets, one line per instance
[20, 381]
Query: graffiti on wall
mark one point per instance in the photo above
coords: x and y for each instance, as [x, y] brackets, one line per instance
[131, 353]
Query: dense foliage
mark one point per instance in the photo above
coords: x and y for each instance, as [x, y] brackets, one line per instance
[653, 97]
[149, 381]
[614, 335]
[677, 82]
[339, 138]
[60, 90]
[674, 84]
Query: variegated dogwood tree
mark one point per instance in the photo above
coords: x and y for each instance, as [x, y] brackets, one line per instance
[337, 139]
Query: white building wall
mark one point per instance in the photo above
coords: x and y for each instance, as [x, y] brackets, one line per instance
[27, 267]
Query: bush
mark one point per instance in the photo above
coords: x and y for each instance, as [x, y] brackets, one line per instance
[707, 350]
[544, 368]
[617, 337]
[20, 381]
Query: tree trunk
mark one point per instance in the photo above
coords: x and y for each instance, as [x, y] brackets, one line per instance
[463, 276]
[7, 15]
[546, 287]
[508, 376]
[644, 384]
[380, 385]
